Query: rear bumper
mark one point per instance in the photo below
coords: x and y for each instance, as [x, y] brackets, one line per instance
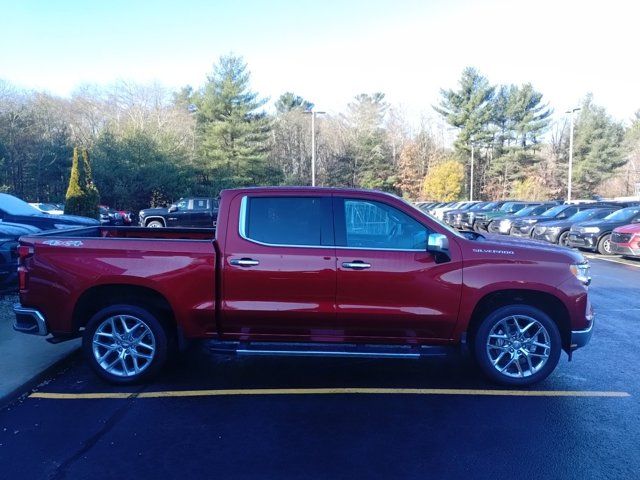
[29, 320]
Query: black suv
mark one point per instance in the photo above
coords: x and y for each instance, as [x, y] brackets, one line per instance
[595, 235]
[557, 231]
[523, 226]
[187, 212]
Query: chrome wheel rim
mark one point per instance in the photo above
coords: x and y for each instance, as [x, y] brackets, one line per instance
[518, 346]
[606, 245]
[564, 239]
[124, 346]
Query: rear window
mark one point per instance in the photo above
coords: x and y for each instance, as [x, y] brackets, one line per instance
[283, 220]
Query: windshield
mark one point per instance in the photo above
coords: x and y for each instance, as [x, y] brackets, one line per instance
[489, 206]
[526, 211]
[584, 215]
[47, 207]
[623, 215]
[552, 212]
[15, 206]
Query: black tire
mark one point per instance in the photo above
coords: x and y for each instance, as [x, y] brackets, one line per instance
[563, 239]
[485, 360]
[604, 245]
[131, 313]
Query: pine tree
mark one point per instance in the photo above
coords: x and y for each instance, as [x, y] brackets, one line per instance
[82, 197]
[233, 133]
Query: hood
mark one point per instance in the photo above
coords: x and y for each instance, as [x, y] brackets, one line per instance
[556, 223]
[503, 242]
[600, 223]
[14, 230]
[73, 219]
[537, 218]
[154, 211]
[631, 228]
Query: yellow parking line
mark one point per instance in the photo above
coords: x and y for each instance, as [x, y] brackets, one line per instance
[329, 391]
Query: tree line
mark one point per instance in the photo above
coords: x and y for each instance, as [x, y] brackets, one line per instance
[149, 145]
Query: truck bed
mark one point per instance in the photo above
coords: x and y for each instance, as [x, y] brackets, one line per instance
[133, 233]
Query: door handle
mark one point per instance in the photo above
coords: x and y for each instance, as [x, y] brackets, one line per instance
[356, 265]
[244, 262]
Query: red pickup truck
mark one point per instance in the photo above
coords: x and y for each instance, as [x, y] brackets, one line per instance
[306, 271]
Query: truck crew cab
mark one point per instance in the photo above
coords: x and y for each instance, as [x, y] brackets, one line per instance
[306, 271]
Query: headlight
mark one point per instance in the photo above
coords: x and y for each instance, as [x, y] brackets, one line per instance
[504, 225]
[582, 272]
[590, 229]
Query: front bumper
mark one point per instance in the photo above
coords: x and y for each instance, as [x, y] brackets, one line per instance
[583, 240]
[521, 230]
[579, 338]
[546, 236]
[622, 249]
[30, 321]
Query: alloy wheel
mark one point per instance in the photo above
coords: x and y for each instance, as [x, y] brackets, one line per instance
[124, 346]
[518, 346]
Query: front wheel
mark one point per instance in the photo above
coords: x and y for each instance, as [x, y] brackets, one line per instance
[517, 345]
[564, 239]
[155, 224]
[604, 245]
[125, 344]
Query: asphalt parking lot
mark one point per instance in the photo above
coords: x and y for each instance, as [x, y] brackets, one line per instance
[228, 417]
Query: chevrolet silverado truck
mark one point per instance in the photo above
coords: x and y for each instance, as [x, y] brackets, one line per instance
[306, 271]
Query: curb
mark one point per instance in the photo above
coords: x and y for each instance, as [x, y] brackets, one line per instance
[29, 385]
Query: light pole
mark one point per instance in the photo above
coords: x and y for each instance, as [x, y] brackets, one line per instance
[313, 144]
[471, 184]
[571, 112]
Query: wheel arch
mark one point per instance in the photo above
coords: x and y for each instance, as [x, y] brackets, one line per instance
[547, 302]
[98, 297]
[147, 220]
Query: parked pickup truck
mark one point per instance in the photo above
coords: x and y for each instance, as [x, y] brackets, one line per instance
[187, 212]
[306, 271]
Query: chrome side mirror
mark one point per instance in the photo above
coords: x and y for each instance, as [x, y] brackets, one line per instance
[438, 244]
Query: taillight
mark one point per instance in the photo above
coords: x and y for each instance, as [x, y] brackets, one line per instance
[24, 252]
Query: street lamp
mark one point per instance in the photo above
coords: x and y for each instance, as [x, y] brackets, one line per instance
[471, 183]
[571, 112]
[313, 144]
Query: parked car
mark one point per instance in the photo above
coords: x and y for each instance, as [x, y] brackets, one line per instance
[14, 210]
[502, 225]
[524, 225]
[483, 219]
[557, 231]
[625, 240]
[440, 211]
[306, 271]
[187, 212]
[109, 216]
[468, 218]
[50, 208]
[453, 217]
[595, 235]
[9, 234]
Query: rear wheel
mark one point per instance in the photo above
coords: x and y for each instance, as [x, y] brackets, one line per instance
[604, 245]
[517, 345]
[155, 224]
[125, 344]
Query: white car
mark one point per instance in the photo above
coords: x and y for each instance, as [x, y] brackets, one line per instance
[49, 208]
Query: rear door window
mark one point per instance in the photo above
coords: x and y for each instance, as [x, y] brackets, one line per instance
[287, 221]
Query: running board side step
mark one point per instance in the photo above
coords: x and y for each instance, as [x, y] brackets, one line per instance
[327, 349]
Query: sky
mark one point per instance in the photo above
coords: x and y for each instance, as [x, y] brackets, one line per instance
[329, 51]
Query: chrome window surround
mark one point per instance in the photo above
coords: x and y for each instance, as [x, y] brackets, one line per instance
[242, 231]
